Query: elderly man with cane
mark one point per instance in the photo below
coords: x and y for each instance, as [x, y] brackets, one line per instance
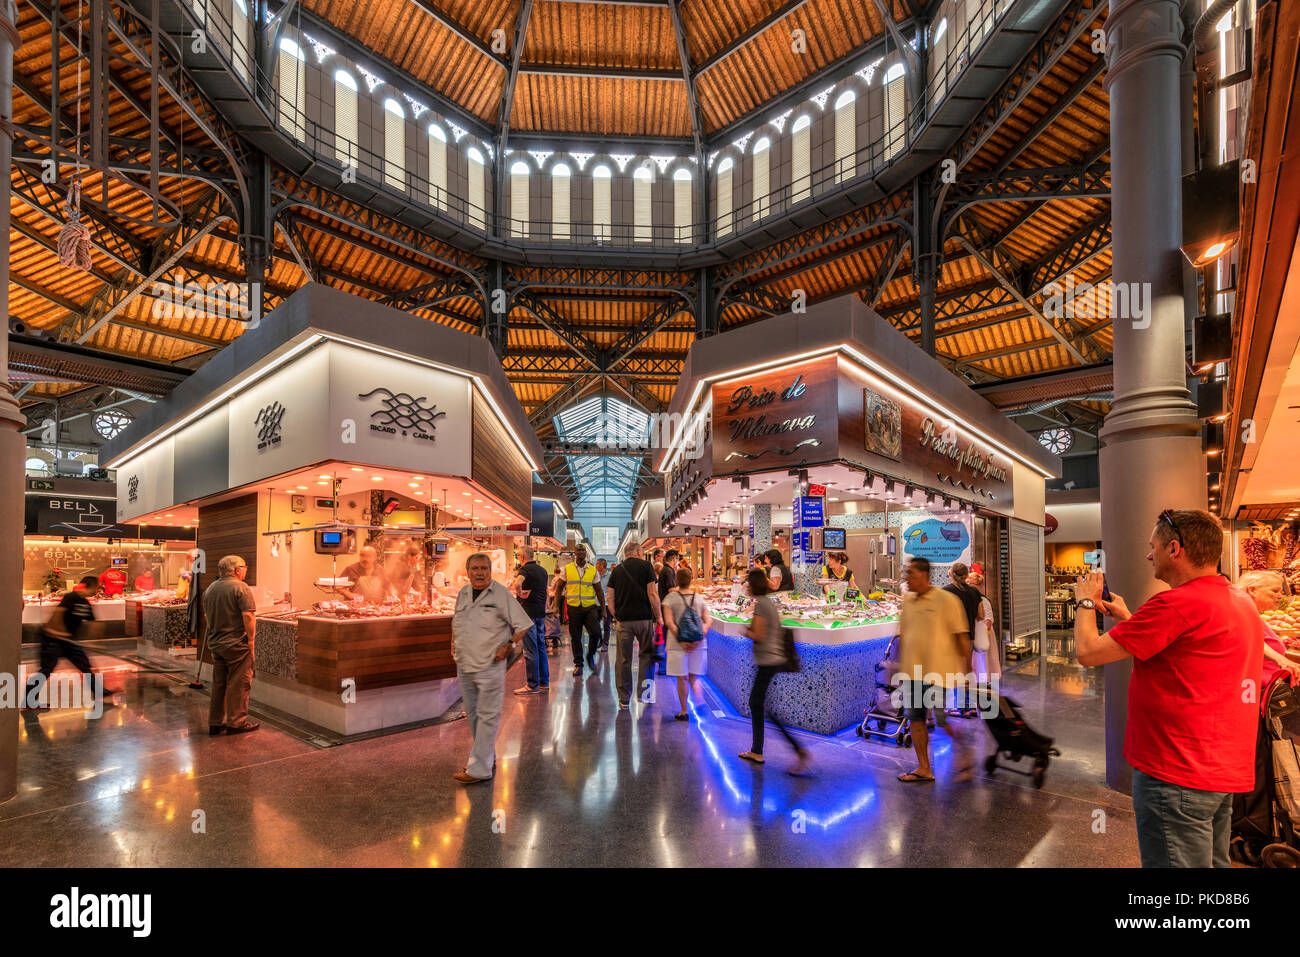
[487, 626]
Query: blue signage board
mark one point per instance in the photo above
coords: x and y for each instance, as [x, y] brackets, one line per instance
[543, 519]
[941, 542]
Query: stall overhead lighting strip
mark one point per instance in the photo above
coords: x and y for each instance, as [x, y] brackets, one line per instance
[311, 341]
[674, 450]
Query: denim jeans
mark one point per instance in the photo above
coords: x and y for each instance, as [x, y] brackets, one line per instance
[537, 668]
[1179, 826]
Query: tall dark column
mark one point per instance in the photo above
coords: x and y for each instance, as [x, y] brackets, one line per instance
[926, 258]
[1151, 453]
[12, 448]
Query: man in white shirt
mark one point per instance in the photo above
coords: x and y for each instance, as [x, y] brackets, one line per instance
[487, 625]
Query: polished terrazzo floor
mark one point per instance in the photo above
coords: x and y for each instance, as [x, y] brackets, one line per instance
[578, 784]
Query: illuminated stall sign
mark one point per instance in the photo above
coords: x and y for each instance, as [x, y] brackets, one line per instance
[784, 416]
[72, 516]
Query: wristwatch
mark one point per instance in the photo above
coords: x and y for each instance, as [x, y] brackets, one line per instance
[1087, 603]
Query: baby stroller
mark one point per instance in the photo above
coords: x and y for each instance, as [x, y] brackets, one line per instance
[885, 707]
[1266, 821]
[1016, 740]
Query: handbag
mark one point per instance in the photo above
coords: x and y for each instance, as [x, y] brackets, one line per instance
[791, 656]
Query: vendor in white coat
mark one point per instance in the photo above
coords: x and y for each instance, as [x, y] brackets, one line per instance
[488, 624]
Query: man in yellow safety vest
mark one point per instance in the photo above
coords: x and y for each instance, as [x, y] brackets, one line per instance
[579, 583]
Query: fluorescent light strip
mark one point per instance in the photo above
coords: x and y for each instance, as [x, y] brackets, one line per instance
[922, 399]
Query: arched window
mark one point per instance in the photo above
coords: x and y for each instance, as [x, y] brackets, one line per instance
[291, 90]
[394, 144]
[241, 43]
[846, 116]
[345, 118]
[600, 206]
[561, 177]
[437, 166]
[800, 151]
[37, 465]
[642, 181]
[476, 210]
[682, 215]
[978, 22]
[895, 112]
[519, 199]
[761, 162]
[939, 59]
[724, 196]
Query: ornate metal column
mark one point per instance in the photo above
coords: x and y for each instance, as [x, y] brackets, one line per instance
[1151, 453]
[12, 448]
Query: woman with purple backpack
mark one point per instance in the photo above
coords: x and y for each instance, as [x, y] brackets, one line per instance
[687, 622]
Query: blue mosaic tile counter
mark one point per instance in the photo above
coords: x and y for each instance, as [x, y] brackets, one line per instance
[836, 678]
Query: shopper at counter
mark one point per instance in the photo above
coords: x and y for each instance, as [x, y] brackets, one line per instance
[487, 624]
[1264, 589]
[530, 586]
[57, 639]
[634, 601]
[1190, 735]
[230, 610]
[768, 636]
[687, 660]
[934, 654]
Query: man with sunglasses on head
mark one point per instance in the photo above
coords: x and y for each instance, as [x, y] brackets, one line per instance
[1196, 649]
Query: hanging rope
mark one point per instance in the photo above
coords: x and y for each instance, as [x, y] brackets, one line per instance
[74, 238]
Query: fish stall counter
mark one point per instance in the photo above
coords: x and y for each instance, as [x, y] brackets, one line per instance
[353, 666]
[838, 645]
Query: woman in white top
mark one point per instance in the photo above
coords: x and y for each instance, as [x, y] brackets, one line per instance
[985, 639]
[686, 661]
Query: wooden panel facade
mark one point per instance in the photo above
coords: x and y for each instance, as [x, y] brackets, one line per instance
[229, 528]
[497, 463]
[376, 653]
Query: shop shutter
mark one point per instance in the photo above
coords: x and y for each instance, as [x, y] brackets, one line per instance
[600, 211]
[292, 93]
[760, 164]
[641, 226]
[1028, 610]
[345, 118]
[437, 167]
[846, 118]
[799, 161]
[519, 200]
[476, 192]
[682, 205]
[724, 197]
[394, 144]
[560, 176]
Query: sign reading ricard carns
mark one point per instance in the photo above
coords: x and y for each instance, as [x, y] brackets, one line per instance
[783, 416]
[402, 413]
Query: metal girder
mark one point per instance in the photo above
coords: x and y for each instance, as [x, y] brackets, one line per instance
[776, 16]
[987, 295]
[692, 99]
[559, 326]
[49, 295]
[165, 253]
[892, 210]
[1059, 105]
[46, 198]
[661, 365]
[555, 447]
[1078, 249]
[644, 329]
[893, 259]
[1026, 346]
[462, 32]
[299, 249]
[636, 392]
[1058, 182]
[512, 74]
[754, 297]
[1024, 302]
[430, 294]
[601, 72]
[1071, 24]
[599, 278]
[562, 398]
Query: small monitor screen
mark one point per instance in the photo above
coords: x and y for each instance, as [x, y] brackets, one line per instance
[834, 538]
[440, 548]
[331, 538]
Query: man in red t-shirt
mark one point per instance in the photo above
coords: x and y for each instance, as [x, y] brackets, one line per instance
[1193, 697]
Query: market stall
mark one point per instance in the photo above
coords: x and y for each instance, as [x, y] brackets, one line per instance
[354, 478]
[828, 437]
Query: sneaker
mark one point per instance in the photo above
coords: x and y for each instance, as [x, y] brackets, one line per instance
[577, 671]
[527, 690]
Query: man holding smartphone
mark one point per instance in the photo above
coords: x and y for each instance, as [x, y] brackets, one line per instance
[1190, 736]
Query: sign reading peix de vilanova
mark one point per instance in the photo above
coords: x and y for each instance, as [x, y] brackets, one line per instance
[980, 464]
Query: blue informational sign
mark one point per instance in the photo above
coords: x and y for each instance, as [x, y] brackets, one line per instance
[810, 512]
[941, 542]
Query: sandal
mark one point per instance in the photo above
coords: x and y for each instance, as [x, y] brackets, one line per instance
[752, 757]
[916, 777]
[682, 717]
